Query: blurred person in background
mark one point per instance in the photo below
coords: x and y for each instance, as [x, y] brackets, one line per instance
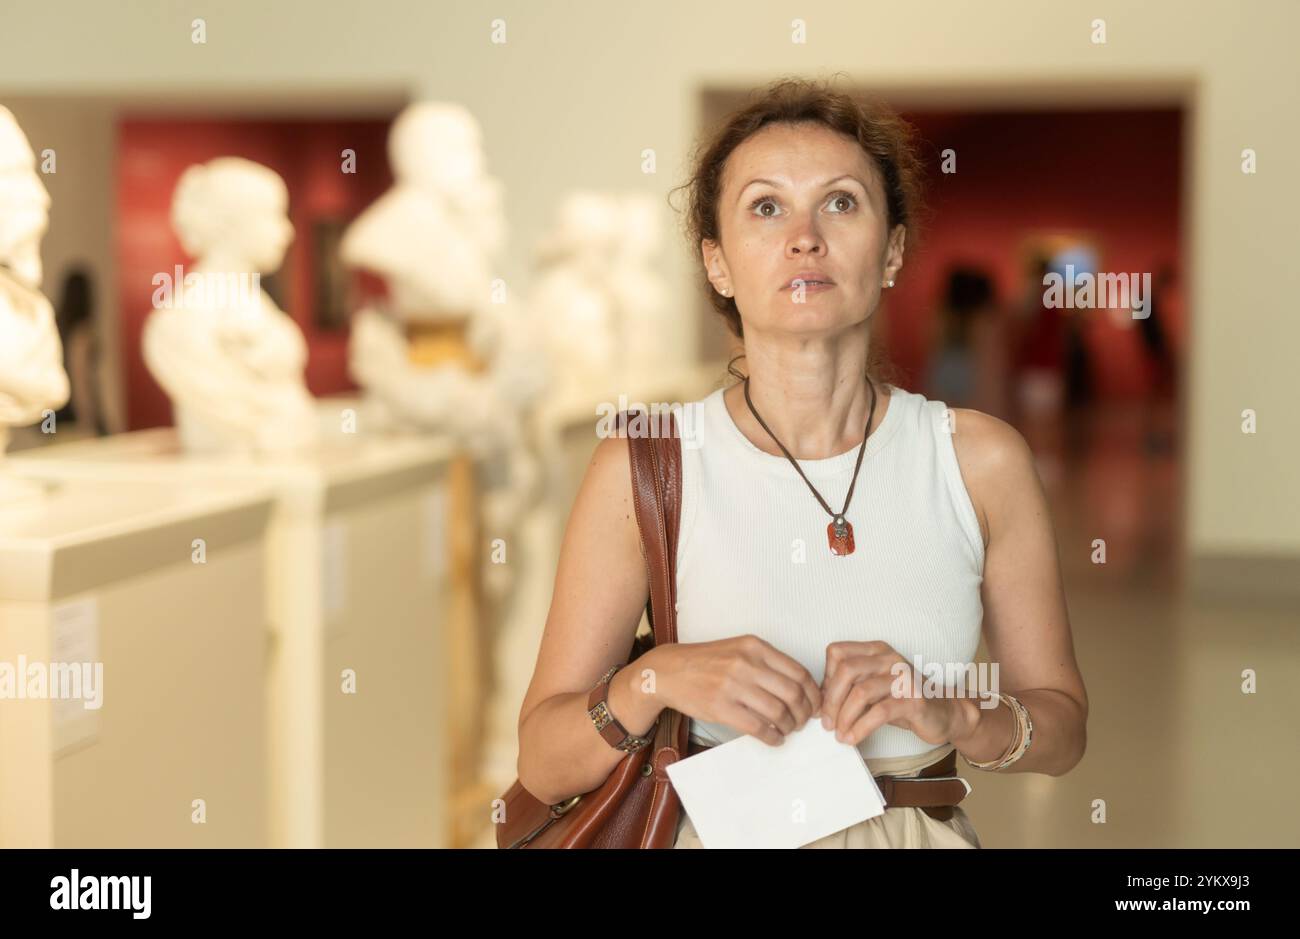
[75, 318]
[1161, 361]
[1039, 374]
[969, 367]
[1040, 357]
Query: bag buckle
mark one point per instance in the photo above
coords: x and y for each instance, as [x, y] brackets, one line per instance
[560, 808]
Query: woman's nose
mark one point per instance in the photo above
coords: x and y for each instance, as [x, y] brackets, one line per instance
[807, 240]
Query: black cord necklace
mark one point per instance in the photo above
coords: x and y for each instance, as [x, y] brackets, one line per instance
[839, 533]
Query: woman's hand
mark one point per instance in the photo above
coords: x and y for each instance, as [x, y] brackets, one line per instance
[860, 695]
[742, 682]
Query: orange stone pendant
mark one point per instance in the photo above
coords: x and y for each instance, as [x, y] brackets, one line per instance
[840, 535]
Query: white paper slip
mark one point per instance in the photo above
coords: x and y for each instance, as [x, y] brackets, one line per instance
[748, 794]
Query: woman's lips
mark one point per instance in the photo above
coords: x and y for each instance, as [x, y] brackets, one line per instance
[810, 286]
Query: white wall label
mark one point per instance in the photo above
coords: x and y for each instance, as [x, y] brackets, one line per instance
[75, 699]
[433, 531]
[334, 568]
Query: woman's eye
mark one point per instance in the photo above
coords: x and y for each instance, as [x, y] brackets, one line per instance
[848, 196]
[759, 201]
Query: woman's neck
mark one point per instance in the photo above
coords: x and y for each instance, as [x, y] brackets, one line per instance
[813, 394]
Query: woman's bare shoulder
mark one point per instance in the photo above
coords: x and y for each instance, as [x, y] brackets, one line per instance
[996, 463]
[605, 496]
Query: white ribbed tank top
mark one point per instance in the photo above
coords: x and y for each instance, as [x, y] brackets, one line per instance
[912, 581]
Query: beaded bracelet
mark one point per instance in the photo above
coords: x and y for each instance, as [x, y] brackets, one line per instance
[1011, 747]
[1020, 740]
[1026, 733]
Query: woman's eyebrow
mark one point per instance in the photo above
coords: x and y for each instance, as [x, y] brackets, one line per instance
[829, 182]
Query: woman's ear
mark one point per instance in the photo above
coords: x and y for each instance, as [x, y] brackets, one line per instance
[894, 252]
[716, 266]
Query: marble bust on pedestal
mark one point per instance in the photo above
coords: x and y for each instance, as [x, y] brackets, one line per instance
[231, 361]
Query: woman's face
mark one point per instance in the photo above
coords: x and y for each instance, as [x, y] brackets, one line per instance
[801, 198]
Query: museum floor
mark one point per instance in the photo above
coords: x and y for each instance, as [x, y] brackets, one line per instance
[1180, 756]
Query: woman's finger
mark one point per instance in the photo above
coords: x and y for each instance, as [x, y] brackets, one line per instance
[839, 652]
[861, 698]
[876, 716]
[849, 672]
[770, 707]
[790, 668]
[791, 691]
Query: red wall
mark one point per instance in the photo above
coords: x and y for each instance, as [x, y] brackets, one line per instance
[152, 154]
[1113, 174]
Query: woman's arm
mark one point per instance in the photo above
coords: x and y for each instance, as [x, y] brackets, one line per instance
[601, 589]
[1026, 625]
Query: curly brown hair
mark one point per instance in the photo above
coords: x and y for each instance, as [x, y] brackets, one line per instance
[888, 140]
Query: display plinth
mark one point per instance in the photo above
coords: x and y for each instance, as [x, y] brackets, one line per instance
[356, 574]
[154, 596]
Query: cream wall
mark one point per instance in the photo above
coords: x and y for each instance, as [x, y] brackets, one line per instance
[579, 90]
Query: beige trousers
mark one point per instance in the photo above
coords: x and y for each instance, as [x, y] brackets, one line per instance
[897, 828]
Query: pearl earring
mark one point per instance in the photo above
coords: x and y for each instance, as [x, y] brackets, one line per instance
[889, 283]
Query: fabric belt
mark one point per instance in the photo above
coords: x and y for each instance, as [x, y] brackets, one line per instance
[934, 790]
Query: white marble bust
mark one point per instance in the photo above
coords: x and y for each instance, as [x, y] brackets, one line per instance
[600, 295]
[433, 237]
[32, 379]
[230, 360]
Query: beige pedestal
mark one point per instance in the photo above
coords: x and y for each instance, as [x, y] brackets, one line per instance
[159, 590]
[467, 633]
[355, 678]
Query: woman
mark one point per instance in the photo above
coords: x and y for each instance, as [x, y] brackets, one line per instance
[76, 322]
[968, 367]
[801, 205]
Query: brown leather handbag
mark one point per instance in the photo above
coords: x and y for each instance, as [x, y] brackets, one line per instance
[636, 806]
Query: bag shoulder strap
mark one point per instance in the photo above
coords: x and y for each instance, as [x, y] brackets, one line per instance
[655, 448]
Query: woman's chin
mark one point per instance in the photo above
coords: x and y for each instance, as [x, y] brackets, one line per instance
[815, 313]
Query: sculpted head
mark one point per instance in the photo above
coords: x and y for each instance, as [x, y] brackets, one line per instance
[437, 147]
[232, 212]
[24, 204]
